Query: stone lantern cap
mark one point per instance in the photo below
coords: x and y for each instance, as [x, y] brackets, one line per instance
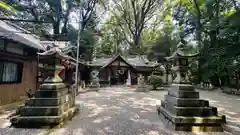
[57, 53]
[181, 52]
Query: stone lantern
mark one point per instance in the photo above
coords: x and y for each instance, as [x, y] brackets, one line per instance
[53, 103]
[180, 64]
[182, 110]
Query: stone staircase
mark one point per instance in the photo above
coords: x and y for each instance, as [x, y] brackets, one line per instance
[52, 105]
[182, 110]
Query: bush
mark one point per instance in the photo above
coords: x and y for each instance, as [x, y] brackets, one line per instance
[155, 81]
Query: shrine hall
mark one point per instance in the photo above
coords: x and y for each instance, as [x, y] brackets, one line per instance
[120, 70]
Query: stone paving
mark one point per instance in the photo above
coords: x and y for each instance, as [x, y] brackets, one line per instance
[227, 105]
[121, 111]
[5, 130]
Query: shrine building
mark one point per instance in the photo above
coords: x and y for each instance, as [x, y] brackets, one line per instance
[121, 70]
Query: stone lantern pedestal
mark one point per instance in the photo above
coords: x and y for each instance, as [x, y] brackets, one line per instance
[53, 103]
[182, 110]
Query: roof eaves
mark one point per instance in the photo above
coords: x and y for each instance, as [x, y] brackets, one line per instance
[114, 58]
[16, 33]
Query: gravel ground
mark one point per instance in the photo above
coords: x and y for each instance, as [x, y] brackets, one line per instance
[119, 111]
[12, 131]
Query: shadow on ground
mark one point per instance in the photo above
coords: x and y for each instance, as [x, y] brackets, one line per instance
[118, 111]
[226, 104]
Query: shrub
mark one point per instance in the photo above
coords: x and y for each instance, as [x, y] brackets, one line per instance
[155, 81]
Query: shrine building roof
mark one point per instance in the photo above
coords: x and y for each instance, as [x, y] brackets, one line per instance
[14, 32]
[133, 60]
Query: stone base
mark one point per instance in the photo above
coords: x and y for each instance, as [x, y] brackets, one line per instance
[48, 101]
[191, 124]
[45, 110]
[43, 121]
[141, 89]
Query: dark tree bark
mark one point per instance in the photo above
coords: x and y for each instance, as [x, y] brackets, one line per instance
[198, 36]
[198, 22]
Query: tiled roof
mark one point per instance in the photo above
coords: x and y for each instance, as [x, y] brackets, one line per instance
[140, 61]
[135, 61]
[100, 62]
[11, 31]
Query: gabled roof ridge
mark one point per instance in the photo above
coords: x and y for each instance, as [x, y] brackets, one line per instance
[114, 58]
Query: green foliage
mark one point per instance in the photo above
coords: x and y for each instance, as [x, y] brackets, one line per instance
[133, 17]
[6, 6]
[111, 38]
[155, 80]
[164, 43]
[56, 13]
[214, 24]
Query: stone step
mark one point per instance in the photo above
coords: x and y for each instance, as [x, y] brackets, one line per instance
[51, 93]
[44, 111]
[186, 102]
[184, 87]
[196, 124]
[190, 111]
[183, 94]
[202, 128]
[48, 101]
[40, 121]
[52, 86]
[208, 120]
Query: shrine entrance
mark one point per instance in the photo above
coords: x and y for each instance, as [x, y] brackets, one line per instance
[116, 72]
[119, 76]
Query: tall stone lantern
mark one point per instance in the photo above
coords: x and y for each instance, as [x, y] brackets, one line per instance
[182, 110]
[180, 64]
[53, 104]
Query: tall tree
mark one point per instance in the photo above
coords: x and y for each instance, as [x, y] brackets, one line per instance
[54, 12]
[111, 39]
[133, 17]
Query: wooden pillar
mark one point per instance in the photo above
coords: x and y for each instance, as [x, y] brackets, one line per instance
[129, 78]
[119, 79]
[109, 76]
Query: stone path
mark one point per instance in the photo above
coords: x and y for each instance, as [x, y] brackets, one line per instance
[227, 104]
[118, 111]
[5, 130]
[121, 111]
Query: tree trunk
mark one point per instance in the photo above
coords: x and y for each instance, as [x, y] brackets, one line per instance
[56, 23]
[56, 29]
[215, 81]
[198, 22]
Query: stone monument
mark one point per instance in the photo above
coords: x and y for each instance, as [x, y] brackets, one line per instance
[94, 85]
[182, 110]
[141, 87]
[53, 103]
